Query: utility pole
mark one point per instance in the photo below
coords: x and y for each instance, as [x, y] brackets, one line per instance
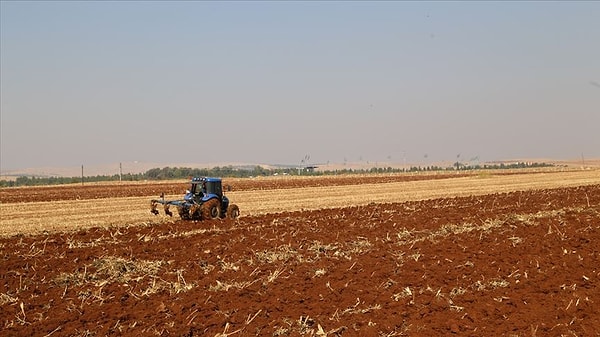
[81, 175]
[120, 171]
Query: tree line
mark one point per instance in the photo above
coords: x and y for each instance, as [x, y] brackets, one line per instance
[169, 173]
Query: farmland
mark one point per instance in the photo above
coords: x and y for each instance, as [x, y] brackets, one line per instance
[504, 254]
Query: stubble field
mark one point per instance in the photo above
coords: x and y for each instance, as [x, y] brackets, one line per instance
[424, 255]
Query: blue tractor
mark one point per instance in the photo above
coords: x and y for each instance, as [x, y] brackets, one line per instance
[203, 201]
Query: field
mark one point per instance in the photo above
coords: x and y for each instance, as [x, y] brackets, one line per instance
[483, 254]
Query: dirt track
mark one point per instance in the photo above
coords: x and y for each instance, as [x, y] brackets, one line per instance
[520, 263]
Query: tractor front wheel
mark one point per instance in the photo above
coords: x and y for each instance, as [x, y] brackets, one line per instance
[233, 212]
[211, 209]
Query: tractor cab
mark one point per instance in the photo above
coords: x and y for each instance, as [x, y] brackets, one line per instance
[202, 189]
[212, 186]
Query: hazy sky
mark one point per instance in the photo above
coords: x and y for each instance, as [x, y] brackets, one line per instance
[270, 82]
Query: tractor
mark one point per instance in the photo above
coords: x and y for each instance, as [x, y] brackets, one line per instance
[203, 201]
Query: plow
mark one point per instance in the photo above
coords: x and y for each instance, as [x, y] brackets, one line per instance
[204, 200]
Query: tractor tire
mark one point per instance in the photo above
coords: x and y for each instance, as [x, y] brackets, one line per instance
[211, 209]
[233, 212]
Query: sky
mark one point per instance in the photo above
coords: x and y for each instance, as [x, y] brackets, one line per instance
[88, 83]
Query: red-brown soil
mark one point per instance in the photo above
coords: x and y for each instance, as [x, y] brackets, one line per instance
[512, 264]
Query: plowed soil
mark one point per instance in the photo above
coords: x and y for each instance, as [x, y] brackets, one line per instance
[520, 263]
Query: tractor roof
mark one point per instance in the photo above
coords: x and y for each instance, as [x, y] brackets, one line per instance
[207, 179]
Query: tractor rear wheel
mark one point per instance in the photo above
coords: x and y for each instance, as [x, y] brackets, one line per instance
[211, 209]
[233, 212]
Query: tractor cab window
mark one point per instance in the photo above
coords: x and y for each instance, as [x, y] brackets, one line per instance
[196, 189]
[214, 187]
